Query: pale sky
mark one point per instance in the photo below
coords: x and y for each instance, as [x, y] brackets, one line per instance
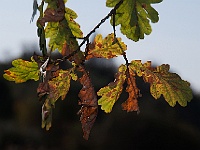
[174, 40]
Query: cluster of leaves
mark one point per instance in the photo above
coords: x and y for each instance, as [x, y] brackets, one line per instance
[162, 82]
[57, 23]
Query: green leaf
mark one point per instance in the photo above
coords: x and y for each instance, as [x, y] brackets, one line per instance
[62, 36]
[134, 17]
[170, 85]
[70, 15]
[112, 91]
[22, 71]
[106, 48]
[162, 82]
[64, 32]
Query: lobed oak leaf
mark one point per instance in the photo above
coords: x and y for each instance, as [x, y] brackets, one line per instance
[134, 17]
[22, 71]
[88, 100]
[106, 48]
[170, 85]
[162, 82]
[112, 91]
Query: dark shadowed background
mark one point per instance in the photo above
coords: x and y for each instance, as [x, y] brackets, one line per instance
[157, 126]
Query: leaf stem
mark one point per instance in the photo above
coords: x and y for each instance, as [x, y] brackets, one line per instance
[115, 37]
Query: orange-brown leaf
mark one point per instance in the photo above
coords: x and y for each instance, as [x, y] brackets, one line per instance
[131, 104]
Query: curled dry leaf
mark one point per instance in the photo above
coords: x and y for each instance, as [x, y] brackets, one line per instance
[46, 114]
[51, 72]
[88, 100]
[35, 7]
[53, 15]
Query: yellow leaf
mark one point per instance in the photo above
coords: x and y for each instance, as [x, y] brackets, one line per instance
[106, 48]
[22, 71]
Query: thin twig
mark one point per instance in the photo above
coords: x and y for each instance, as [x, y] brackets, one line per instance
[87, 48]
[114, 29]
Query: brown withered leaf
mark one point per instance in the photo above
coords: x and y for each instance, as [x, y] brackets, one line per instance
[88, 100]
[131, 104]
[42, 90]
[68, 50]
[53, 15]
[46, 114]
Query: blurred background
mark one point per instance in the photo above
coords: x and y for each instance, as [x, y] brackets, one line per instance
[174, 40]
[157, 126]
